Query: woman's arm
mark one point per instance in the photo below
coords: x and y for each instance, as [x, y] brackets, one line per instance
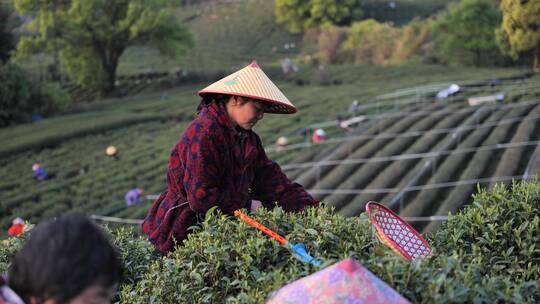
[272, 185]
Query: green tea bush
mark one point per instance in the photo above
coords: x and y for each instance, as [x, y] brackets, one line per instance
[20, 96]
[396, 171]
[8, 248]
[364, 173]
[512, 160]
[337, 174]
[228, 261]
[499, 230]
[449, 169]
[136, 252]
[478, 163]
[487, 253]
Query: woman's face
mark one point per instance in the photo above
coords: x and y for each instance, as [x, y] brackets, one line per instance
[245, 112]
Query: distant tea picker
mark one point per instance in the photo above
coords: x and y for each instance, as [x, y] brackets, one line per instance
[17, 227]
[111, 152]
[134, 196]
[220, 160]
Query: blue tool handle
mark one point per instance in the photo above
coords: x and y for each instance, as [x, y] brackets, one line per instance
[300, 252]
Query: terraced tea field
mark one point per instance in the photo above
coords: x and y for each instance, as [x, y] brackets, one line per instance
[428, 160]
[385, 155]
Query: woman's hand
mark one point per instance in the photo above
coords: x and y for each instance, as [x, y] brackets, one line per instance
[255, 204]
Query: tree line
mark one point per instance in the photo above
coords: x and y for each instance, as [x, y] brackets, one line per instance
[479, 32]
[86, 38]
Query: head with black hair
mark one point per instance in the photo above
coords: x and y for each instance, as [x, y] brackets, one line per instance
[244, 112]
[67, 260]
[208, 99]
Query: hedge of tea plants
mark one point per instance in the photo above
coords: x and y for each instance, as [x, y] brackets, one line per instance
[144, 129]
[489, 252]
[466, 166]
[397, 172]
[480, 163]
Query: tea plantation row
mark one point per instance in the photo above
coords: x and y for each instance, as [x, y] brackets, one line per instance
[486, 253]
[455, 130]
[72, 146]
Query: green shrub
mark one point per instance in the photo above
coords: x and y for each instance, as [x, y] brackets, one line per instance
[8, 248]
[500, 229]
[212, 266]
[299, 16]
[20, 97]
[465, 32]
[486, 253]
[448, 168]
[371, 42]
[228, 261]
[477, 164]
[136, 252]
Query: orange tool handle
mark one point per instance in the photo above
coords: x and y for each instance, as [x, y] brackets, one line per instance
[250, 221]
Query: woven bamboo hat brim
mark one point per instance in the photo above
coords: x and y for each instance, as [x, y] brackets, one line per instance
[252, 82]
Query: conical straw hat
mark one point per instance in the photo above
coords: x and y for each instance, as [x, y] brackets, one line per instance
[110, 151]
[282, 141]
[252, 82]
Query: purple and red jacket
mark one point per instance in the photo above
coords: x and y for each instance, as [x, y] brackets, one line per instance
[216, 164]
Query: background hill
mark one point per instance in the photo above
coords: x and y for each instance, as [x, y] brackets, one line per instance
[228, 35]
[144, 130]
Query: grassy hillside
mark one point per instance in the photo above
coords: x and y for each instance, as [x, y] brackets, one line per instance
[145, 129]
[226, 36]
[229, 34]
[145, 126]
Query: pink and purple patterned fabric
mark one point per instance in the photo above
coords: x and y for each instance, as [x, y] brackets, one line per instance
[344, 282]
[8, 296]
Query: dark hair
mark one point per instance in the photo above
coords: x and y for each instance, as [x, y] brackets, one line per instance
[208, 99]
[61, 258]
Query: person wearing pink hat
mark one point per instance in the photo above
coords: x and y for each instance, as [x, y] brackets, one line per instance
[319, 136]
[220, 161]
[17, 227]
